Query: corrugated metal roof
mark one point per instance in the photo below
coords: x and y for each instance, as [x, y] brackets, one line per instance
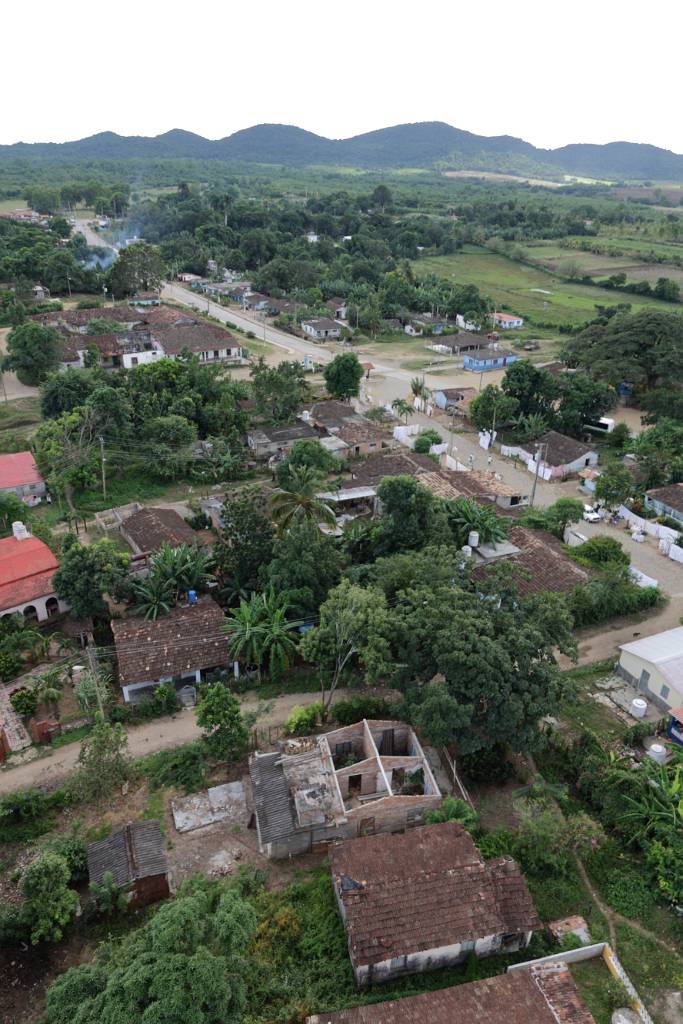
[659, 647]
[135, 852]
[272, 798]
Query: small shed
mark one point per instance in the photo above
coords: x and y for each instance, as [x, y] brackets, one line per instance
[136, 859]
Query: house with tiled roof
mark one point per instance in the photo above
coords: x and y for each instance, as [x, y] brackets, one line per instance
[560, 455]
[179, 647]
[321, 328]
[666, 501]
[27, 567]
[148, 528]
[427, 899]
[19, 475]
[545, 567]
[208, 342]
[541, 993]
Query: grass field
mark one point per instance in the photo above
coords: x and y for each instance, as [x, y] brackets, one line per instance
[532, 292]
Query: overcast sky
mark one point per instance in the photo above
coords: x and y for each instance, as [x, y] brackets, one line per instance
[548, 72]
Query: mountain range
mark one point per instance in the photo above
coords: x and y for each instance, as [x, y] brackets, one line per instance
[427, 144]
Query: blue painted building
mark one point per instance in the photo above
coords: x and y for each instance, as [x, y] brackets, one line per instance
[488, 359]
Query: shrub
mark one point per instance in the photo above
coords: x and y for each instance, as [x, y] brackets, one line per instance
[24, 701]
[353, 709]
[182, 768]
[599, 551]
[49, 904]
[425, 440]
[27, 814]
[72, 849]
[629, 894]
[107, 899]
[11, 665]
[303, 720]
[453, 809]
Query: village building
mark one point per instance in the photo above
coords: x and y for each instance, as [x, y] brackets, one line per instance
[257, 302]
[666, 501]
[654, 665]
[269, 441]
[209, 343]
[455, 344]
[483, 360]
[27, 567]
[454, 400]
[365, 778]
[321, 328]
[19, 475]
[180, 647]
[148, 528]
[114, 351]
[338, 307]
[540, 993]
[432, 323]
[507, 321]
[427, 899]
[546, 568]
[560, 456]
[135, 859]
[340, 420]
[277, 306]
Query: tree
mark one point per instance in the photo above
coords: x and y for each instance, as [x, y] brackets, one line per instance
[153, 596]
[493, 408]
[245, 544]
[87, 573]
[12, 508]
[534, 389]
[354, 627]
[659, 451]
[555, 517]
[382, 197]
[343, 376]
[298, 501]
[441, 716]
[306, 564]
[464, 516]
[224, 730]
[307, 452]
[279, 391]
[65, 390]
[138, 268]
[93, 691]
[104, 763]
[50, 905]
[33, 351]
[260, 633]
[615, 484]
[411, 517]
[581, 399]
[182, 966]
[402, 408]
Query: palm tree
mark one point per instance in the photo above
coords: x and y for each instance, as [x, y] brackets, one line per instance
[154, 596]
[540, 789]
[401, 408]
[465, 516]
[245, 634]
[259, 633]
[419, 390]
[528, 428]
[48, 687]
[298, 501]
[185, 567]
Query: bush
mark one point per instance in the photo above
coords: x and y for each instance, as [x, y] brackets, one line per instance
[303, 720]
[425, 440]
[353, 709]
[50, 905]
[599, 551]
[182, 768]
[72, 849]
[453, 809]
[107, 899]
[28, 814]
[24, 701]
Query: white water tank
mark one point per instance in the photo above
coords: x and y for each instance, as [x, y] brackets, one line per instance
[658, 753]
[638, 707]
[466, 550]
[76, 674]
[473, 539]
[305, 415]
[20, 532]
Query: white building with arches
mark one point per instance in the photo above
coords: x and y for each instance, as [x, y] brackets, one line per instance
[26, 569]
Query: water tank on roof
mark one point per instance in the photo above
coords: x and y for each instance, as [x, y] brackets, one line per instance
[473, 539]
[466, 550]
[658, 753]
[638, 707]
[19, 531]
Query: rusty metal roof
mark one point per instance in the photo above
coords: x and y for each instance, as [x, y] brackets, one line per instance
[137, 851]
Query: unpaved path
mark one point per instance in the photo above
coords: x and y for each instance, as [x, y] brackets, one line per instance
[147, 739]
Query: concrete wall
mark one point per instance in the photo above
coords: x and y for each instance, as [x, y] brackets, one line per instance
[658, 689]
[40, 604]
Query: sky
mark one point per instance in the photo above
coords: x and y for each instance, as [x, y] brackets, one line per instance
[548, 72]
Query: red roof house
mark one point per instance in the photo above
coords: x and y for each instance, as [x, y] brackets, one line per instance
[26, 570]
[19, 474]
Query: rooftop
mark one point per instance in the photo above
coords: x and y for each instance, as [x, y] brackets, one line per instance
[424, 890]
[373, 469]
[665, 650]
[672, 495]
[149, 528]
[545, 994]
[562, 449]
[189, 637]
[135, 852]
[18, 469]
[26, 570]
[541, 554]
[195, 337]
[322, 323]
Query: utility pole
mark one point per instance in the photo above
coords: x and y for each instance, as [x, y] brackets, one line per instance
[538, 463]
[104, 472]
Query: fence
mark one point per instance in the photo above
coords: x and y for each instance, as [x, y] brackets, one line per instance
[648, 526]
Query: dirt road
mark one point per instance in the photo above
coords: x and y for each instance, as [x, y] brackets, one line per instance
[147, 739]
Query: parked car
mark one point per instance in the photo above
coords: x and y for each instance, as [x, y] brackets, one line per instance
[590, 515]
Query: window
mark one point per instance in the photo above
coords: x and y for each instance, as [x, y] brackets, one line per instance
[644, 679]
[215, 353]
[664, 692]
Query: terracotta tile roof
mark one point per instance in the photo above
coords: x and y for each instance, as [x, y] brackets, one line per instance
[322, 323]
[424, 890]
[375, 467]
[550, 570]
[671, 496]
[18, 469]
[189, 637]
[197, 337]
[545, 994]
[151, 527]
[81, 317]
[26, 571]
[106, 344]
[562, 449]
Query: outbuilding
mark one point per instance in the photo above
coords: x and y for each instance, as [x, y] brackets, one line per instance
[135, 859]
[19, 475]
[654, 665]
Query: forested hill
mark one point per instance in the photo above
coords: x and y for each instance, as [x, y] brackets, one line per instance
[427, 144]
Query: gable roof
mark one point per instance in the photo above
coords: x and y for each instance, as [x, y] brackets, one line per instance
[193, 337]
[541, 554]
[672, 495]
[665, 650]
[322, 323]
[26, 570]
[424, 890]
[542, 994]
[373, 469]
[18, 469]
[149, 528]
[189, 637]
[562, 449]
[137, 851]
